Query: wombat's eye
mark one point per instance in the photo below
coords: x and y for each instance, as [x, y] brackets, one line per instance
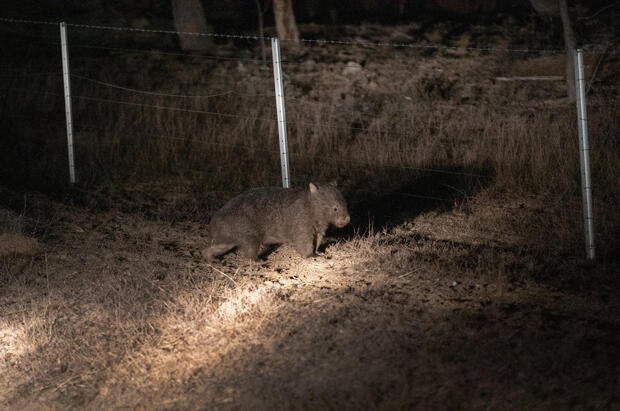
[335, 208]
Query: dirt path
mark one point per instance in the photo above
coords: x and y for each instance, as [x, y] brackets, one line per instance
[120, 311]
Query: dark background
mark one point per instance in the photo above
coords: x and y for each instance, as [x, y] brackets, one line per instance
[241, 15]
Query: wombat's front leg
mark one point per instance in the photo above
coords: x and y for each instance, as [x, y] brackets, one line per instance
[249, 248]
[319, 239]
[305, 250]
[304, 245]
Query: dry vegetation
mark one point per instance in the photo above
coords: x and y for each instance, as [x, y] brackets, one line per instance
[461, 284]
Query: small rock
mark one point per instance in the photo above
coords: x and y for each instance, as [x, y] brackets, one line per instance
[308, 65]
[400, 37]
[352, 68]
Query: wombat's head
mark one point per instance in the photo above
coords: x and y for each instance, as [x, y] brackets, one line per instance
[329, 204]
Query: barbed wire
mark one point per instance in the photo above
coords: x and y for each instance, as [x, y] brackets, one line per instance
[27, 21]
[172, 32]
[134, 50]
[134, 29]
[358, 43]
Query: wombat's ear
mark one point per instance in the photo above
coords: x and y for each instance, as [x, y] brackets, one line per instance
[313, 188]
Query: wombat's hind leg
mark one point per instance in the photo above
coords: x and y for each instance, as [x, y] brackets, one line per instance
[217, 250]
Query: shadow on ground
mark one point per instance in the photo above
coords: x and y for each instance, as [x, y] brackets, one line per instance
[392, 196]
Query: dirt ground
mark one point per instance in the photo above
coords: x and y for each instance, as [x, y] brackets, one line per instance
[105, 309]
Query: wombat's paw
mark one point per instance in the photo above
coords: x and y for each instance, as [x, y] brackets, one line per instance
[208, 255]
[307, 254]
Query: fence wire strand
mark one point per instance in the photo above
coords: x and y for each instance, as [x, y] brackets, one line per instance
[244, 36]
[151, 93]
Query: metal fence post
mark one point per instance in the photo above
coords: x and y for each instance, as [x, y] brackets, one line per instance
[67, 88]
[277, 79]
[584, 154]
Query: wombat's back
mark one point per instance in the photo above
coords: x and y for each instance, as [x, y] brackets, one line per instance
[261, 206]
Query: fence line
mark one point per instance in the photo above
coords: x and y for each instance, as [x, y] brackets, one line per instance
[244, 36]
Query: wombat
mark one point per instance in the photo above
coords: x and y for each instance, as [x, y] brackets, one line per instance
[273, 215]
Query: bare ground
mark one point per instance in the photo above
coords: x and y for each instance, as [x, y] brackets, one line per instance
[111, 309]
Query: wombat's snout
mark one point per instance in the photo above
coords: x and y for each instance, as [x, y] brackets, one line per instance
[342, 221]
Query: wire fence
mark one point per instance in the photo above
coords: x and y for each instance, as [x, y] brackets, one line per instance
[356, 109]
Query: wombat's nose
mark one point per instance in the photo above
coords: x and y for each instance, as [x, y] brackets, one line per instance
[342, 221]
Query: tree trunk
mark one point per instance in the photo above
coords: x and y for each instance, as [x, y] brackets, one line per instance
[189, 16]
[546, 7]
[286, 27]
[261, 29]
[569, 45]
[560, 8]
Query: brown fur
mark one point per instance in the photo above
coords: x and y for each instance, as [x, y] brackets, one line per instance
[273, 215]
